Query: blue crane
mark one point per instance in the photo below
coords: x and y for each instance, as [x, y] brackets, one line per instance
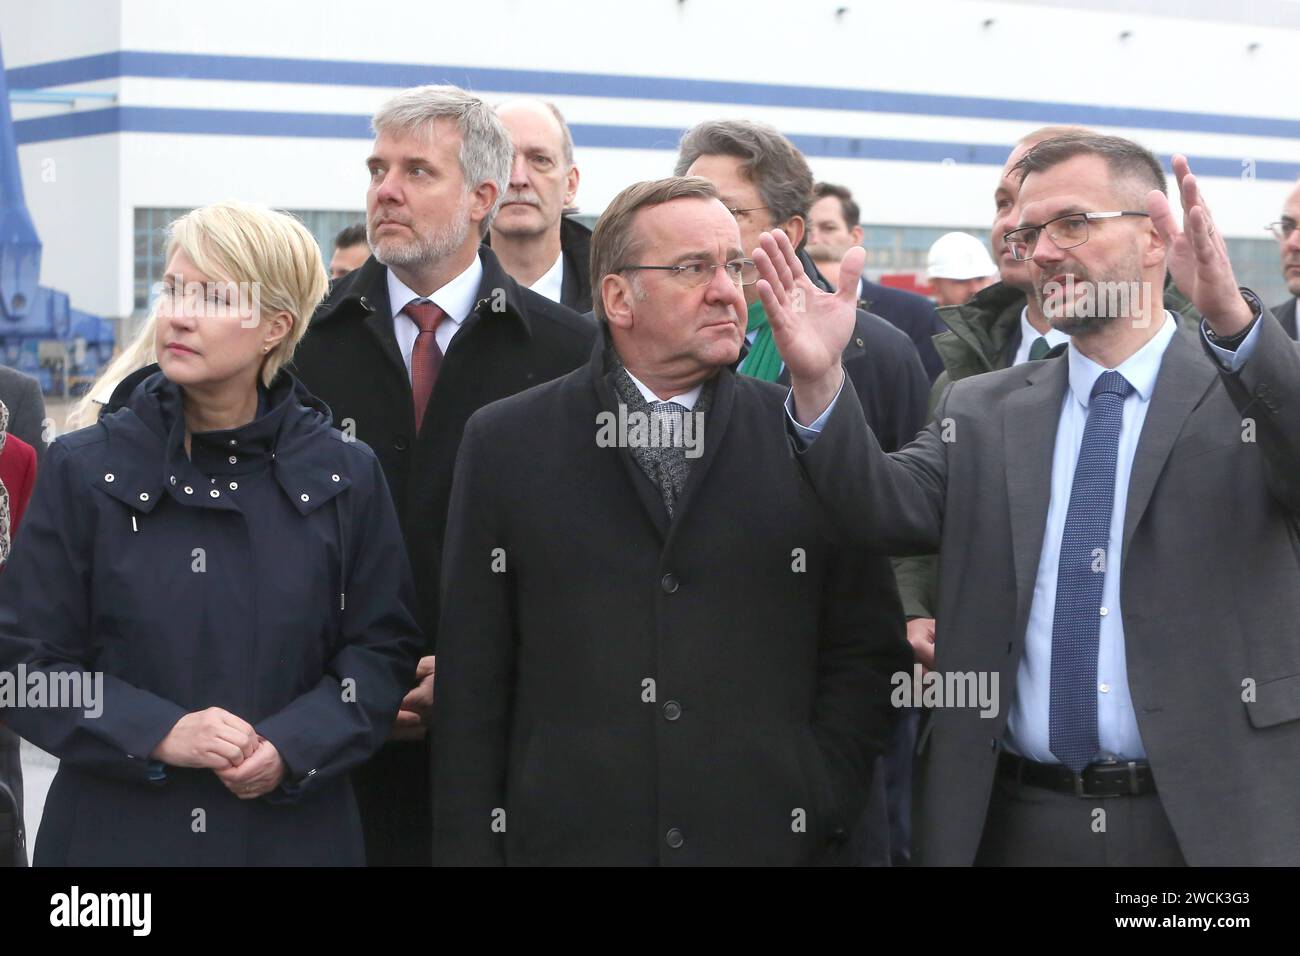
[40, 333]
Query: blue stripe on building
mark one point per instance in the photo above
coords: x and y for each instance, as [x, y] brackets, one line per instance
[150, 119]
[195, 66]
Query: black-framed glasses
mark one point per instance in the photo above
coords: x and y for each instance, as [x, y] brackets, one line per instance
[1281, 229]
[1066, 232]
[740, 271]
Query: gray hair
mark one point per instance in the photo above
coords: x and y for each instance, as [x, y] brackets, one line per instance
[769, 160]
[486, 151]
[564, 131]
[1130, 164]
[615, 242]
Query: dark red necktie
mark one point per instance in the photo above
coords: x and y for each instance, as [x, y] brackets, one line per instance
[426, 357]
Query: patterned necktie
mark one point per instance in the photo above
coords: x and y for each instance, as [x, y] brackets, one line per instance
[1038, 349]
[426, 357]
[1076, 625]
[663, 461]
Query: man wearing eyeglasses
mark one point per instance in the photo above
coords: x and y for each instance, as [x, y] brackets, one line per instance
[1288, 238]
[650, 652]
[1116, 534]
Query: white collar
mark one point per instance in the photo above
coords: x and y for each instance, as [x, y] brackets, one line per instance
[1028, 334]
[551, 283]
[686, 399]
[1139, 369]
[456, 298]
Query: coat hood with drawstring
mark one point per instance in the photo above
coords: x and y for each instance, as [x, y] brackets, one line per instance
[262, 573]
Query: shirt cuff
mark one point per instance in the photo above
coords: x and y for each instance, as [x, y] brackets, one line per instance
[805, 435]
[1233, 359]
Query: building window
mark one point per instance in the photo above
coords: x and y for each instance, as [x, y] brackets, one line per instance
[151, 242]
[902, 249]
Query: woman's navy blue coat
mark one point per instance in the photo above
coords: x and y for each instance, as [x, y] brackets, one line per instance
[265, 574]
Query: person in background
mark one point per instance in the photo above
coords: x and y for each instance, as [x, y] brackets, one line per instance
[404, 350]
[1288, 240]
[833, 229]
[350, 250]
[17, 476]
[958, 266]
[226, 570]
[21, 394]
[767, 184]
[540, 246]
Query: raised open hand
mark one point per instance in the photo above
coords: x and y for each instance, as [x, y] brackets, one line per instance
[810, 327]
[1198, 257]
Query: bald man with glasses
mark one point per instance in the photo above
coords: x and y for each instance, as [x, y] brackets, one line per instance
[1288, 238]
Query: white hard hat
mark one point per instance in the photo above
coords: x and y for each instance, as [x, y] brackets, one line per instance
[959, 255]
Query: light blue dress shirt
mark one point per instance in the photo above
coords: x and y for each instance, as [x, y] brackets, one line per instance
[1027, 722]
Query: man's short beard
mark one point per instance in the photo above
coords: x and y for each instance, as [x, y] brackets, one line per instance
[1092, 314]
[1081, 324]
[424, 249]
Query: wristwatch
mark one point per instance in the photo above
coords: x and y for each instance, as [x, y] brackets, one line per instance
[1231, 342]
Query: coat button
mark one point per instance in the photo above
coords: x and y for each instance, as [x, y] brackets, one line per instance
[400, 443]
[672, 710]
[305, 498]
[214, 493]
[233, 442]
[334, 477]
[675, 838]
[189, 490]
[234, 486]
[109, 476]
[233, 460]
[669, 583]
[144, 496]
[173, 479]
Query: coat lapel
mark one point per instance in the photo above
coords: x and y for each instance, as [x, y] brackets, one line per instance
[1029, 434]
[1286, 315]
[379, 320]
[607, 400]
[1185, 376]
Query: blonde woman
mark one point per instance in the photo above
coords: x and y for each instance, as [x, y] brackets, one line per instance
[220, 576]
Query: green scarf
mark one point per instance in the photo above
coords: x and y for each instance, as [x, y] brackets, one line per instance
[763, 360]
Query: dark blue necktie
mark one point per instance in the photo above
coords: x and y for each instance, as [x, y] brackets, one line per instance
[1076, 625]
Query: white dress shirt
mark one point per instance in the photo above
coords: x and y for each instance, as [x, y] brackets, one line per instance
[1028, 334]
[456, 298]
[1027, 722]
[686, 399]
[551, 284]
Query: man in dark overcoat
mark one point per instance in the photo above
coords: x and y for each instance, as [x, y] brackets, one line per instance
[649, 654]
[405, 349]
